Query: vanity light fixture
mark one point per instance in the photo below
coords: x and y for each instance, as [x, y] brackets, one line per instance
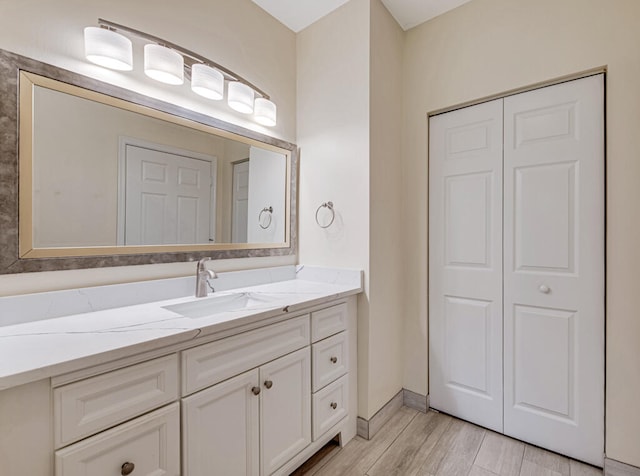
[265, 112]
[163, 64]
[207, 82]
[107, 48]
[169, 63]
[240, 97]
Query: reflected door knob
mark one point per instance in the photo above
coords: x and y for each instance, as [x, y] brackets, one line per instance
[544, 289]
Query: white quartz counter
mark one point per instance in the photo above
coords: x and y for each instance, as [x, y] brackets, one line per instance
[39, 349]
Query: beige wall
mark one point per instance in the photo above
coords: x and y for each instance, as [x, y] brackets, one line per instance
[349, 132]
[235, 33]
[333, 136]
[387, 277]
[490, 46]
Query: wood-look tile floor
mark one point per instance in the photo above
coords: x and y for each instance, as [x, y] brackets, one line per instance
[434, 444]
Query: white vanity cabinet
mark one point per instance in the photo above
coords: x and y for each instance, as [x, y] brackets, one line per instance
[148, 445]
[221, 428]
[330, 352]
[250, 424]
[285, 409]
[256, 400]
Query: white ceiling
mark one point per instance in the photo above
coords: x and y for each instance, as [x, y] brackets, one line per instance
[299, 14]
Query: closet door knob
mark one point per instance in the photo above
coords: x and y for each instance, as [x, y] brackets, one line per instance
[334, 360]
[334, 405]
[255, 390]
[544, 289]
[268, 384]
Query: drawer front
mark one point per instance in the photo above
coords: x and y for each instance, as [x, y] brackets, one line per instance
[212, 363]
[327, 322]
[151, 443]
[94, 404]
[330, 406]
[330, 360]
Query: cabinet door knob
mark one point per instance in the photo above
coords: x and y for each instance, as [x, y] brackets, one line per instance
[127, 468]
[334, 405]
[268, 384]
[544, 289]
[334, 360]
[255, 390]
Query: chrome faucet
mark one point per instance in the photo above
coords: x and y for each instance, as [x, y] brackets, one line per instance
[202, 276]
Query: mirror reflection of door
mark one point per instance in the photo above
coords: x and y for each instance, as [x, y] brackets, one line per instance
[167, 196]
[240, 201]
[267, 181]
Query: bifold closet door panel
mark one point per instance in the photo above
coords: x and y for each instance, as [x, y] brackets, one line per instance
[554, 268]
[465, 268]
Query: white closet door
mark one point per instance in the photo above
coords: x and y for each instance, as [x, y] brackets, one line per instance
[554, 268]
[465, 269]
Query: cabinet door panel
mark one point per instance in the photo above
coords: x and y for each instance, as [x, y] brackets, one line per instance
[285, 416]
[220, 429]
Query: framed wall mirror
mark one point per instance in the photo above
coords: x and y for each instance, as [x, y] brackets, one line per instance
[100, 176]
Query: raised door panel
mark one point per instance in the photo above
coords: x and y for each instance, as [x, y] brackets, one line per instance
[150, 443]
[545, 235]
[285, 409]
[220, 429]
[465, 263]
[554, 268]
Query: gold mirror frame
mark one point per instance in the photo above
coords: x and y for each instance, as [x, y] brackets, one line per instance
[18, 77]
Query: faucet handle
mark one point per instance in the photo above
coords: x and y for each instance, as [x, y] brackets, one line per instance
[201, 266]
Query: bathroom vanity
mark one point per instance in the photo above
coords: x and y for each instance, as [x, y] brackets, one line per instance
[251, 380]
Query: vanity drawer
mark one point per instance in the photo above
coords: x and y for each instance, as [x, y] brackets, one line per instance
[94, 404]
[150, 443]
[209, 364]
[330, 406]
[326, 322]
[330, 360]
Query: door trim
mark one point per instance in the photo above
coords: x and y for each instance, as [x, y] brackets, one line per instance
[523, 89]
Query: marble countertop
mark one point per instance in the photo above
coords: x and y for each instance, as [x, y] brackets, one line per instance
[40, 349]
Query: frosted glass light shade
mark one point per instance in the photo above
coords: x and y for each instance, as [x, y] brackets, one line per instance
[240, 97]
[265, 112]
[163, 64]
[207, 82]
[108, 48]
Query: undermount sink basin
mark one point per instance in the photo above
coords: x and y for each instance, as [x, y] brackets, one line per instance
[222, 303]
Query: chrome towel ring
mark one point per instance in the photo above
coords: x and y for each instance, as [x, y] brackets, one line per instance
[268, 210]
[328, 205]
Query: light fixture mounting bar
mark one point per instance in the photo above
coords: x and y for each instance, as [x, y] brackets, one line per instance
[188, 54]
